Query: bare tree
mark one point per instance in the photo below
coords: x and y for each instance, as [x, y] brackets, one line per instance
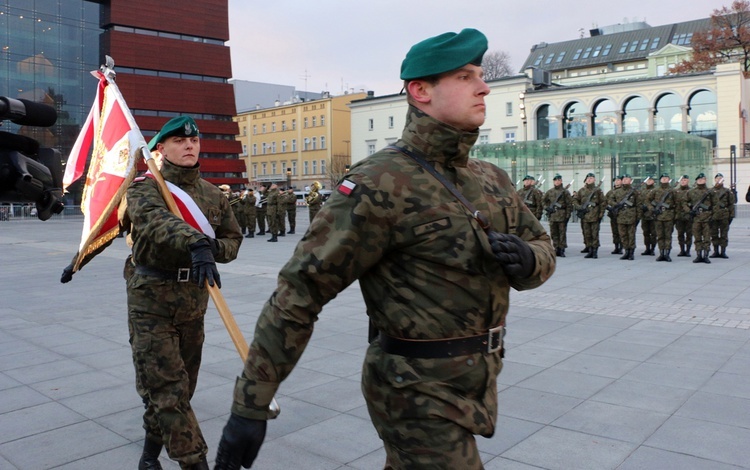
[726, 40]
[496, 64]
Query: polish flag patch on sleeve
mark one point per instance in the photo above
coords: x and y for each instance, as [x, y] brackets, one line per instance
[347, 187]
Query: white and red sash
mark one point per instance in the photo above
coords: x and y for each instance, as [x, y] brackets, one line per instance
[189, 210]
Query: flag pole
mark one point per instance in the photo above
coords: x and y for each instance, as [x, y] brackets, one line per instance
[214, 292]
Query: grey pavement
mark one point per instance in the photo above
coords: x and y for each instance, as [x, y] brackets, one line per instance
[610, 365]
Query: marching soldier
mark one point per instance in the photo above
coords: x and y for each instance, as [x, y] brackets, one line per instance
[648, 223]
[662, 205]
[590, 206]
[617, 180]
[274, 204]
[700, 206]
[261, 205]
[682, 221]
[624, 203]
[558, 204]
[291, 209]
[723, 214]
[531, 196]
[314, 200]
[250, 212]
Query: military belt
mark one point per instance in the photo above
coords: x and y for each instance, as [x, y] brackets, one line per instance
[177, 275]
[487, 343]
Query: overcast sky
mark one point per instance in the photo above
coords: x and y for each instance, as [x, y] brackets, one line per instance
[337, 45]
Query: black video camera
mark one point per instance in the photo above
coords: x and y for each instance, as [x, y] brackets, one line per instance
[29, 172]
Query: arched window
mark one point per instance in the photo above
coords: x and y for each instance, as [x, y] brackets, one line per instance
[576, 121]
[546, 123]
[702, 119]
[668, 113]
[635, 117]
[605, 118]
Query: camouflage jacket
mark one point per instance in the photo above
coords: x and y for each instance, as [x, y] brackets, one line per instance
[628, 210]
[249, 202]
[532, 197]
[597, 205]
[562, 201]
[608, 197]
[424, 265]
[662, 203]
[160, 238]
[724, 202]
[314, 199]
[643, 201]
[680, 201]
[703, 206]
[290, 201]
[275, 203]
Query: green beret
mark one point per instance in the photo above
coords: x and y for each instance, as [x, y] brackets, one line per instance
[443, 53]
[557, 177]
[528, 177]
[700, 175]
[719, 175]
[590, 175]
[685, 177]
[181, 126]
[664, 175]
[625, 175]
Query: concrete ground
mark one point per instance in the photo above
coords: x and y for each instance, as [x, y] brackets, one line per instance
[610, 365]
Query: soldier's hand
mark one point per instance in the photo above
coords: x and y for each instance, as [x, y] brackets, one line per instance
[514, 254]
[67, 274]
[214, 246]
[240, 443]
[204, 266]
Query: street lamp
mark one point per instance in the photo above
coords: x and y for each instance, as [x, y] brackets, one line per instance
[288, 178]
[346, 168]
[522, 106]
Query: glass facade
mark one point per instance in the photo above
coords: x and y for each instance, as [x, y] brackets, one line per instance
[638, 154]
[48, 48]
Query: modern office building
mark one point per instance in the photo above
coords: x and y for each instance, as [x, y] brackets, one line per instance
[169, 62]
[298, 142]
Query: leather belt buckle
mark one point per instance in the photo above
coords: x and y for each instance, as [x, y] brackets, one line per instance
[183, 274]
[495, 339]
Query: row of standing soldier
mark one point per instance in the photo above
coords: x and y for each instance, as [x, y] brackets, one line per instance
[700, 213]
[271, 205]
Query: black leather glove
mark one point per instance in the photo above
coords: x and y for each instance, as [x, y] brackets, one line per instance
[204, 266]
[240, 442]
[67, 274]
[214, 246]
[514, 254]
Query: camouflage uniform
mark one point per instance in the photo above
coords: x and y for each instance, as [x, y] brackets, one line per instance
[700, 208]
[314, 201]
[625, 201]
[426, 271]
[662, 204]
[532, 197]
[291, 209]
[165, 317]
[238, 210]
[724, 202]
[559, 205]
[250, 212]
[682, 220]
[261, 206]
[648, 222]
[273, 212]
[613, 222]
[592, 220]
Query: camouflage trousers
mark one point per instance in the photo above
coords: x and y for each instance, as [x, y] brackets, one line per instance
[664, 230]
[615, 230]
[702, 234]
[427, 411]
[627, 235]
[684, 232]
[648, 227]
[591, 233]
[558, 231]
[273, 221]
[165, 322]
[719, 231]
[261, 218]
[313, 210]
[251, 222]
[291, 214]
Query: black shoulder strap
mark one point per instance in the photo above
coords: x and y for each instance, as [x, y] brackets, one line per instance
[478, 216]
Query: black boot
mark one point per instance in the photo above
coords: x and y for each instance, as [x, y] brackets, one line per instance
[632, 253]
[202, 465]
[291, 232]
[666, 256]
[590, 253]
[617, 250]
[250, 235]
[627, 254]
[661, 256]
[715, 254]
[723, 253]
[645, 252]
[262, 232]
[557, 251]
[585, 249]
[682, 251]
[562, 252]
[282, 234]
[698, 256]
[705, 256]
[595, 253]
[150, 456]
[273, 238]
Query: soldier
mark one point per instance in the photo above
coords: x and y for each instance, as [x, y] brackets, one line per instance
[291, 209]
[662, 203]
[273, 208]
[648, 223]
[237, 210]
[314, 200]
[558, 204]
[531, 196]
[723, 214]
[430, 274]
[250, 212]
[171, 261]
[700, 206]
[261, 206]
[590, 206]
[617, 183]
[682, 221]
[624, 202]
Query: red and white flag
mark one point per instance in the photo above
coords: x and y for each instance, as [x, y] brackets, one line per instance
[117, 145]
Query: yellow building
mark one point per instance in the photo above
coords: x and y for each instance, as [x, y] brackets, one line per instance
[298, 143]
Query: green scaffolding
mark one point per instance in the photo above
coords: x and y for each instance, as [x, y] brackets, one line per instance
[640, 155]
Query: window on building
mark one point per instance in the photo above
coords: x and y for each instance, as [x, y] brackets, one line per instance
[484, 139]
[305, 168]
[644, 45]
[264, 168]
[549, 58]
[314, 143]
[635, 115]
[283, 146]
[294, 167]
[306, 144]
[560, 57]
[546, 122]
[668, 114]
[273, 168]
[390, 122]
[606, 50]
[655, 43]
[596, 52]
[244, 130]
[702, 115]
[255, 171]
[576, 121]
[322, 119]
[294, 145]
[314, 167]
[244, 149]
[263, 128]
[273, 147]
[255, 129]
[633, 46]
[510, 136]
[304, 123]
[255, 149]
[322, 167]
[567, 159]
[539, 59]
[509, 108]
[370, 124]
[371, 147]
[283, 125]
[273, 127]
[322, 141]
[624, 47]
[294, 124]
[264, 147]
[577, 54]
[314, 121]
[586, 53]
[605, 118]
